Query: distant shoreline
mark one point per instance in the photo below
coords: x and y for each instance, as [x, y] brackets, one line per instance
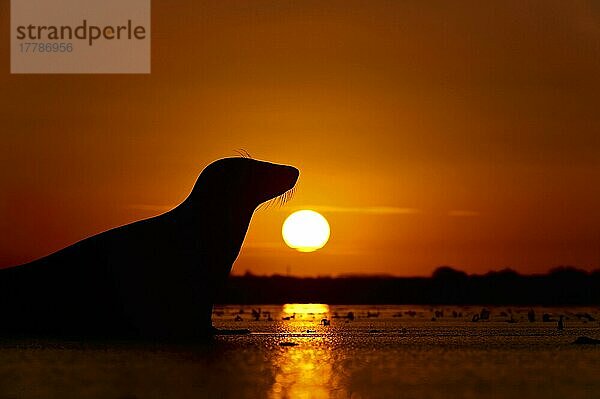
[562, 286]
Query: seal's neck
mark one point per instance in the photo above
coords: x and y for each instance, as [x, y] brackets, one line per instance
[220, 225]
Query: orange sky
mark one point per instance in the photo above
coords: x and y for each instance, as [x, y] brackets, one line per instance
[428, 133]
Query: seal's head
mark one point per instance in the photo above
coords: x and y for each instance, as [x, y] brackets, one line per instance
[244, 182]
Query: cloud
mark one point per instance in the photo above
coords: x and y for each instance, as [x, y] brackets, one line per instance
[262, 248]
[371, 210]
[463, 213]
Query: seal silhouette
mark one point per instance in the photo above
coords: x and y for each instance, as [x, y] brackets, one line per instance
[155, 278]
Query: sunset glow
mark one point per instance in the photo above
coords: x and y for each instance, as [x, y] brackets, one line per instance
[300, 199]
[427, 136]
[305, 231]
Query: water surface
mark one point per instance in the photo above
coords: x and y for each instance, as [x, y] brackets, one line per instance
[384, 352]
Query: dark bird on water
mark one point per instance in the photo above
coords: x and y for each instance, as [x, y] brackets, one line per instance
[155, 278]
[561, 324]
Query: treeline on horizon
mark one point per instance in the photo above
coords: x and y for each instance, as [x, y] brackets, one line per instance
[561, 286]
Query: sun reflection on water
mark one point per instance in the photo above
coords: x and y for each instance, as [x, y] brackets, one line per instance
[307, 369]
[305, 308]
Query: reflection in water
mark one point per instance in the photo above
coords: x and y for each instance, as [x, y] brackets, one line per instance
[305, 308]
[402, 353]
[306, 370]
[303, 372]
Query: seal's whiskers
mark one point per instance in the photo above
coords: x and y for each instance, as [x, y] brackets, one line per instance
[280, 200]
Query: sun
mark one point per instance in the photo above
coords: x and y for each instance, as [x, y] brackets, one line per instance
[305, 231]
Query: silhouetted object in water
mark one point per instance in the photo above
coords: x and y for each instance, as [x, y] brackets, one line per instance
[484, 314]
[531, 316]
[512, 317]
[546, 318]
[585, 316]
[586, 341]
[238, 318]
[325, 322]
[156, 278]
[561, 324]
[256, 314]
[350, 316]
[372, 314]
[288, 344]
